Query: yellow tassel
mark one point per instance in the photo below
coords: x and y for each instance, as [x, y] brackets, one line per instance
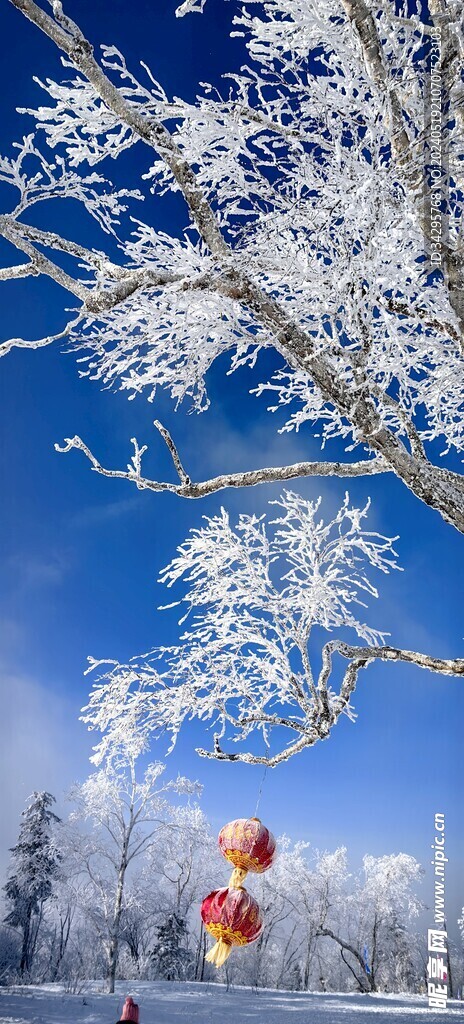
[237, 878]
[219, 953]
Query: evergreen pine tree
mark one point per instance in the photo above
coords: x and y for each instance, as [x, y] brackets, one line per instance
[171, 957]
[35, 865]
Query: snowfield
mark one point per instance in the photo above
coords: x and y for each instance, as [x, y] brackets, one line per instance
[177, 1003]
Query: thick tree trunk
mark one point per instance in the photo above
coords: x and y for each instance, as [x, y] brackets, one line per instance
[24, 962]
[113, 949]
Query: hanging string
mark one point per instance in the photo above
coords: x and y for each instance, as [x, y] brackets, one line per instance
[260, 791]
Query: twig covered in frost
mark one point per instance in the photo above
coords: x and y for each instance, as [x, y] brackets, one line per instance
[188, 488]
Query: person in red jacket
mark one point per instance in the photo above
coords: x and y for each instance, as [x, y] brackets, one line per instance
[130, 1012]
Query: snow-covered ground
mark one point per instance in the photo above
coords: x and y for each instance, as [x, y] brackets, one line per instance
[172, 1003]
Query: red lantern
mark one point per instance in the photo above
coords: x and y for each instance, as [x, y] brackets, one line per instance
[231, 914]
[233, 917]
[248, 844]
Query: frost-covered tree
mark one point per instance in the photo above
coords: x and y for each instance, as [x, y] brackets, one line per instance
[171, 956]
[260, 598]
[303, 184]
[369, 924]
[332, 929]
[297, 894]
[177, 871]
[284, 954]
[35, 866]
[183, 860]
[127, 812]
[304, 188]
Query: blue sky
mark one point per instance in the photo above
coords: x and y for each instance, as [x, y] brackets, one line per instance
[81, 555]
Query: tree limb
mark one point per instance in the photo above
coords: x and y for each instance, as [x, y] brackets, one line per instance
[186, 488]
[21, 270]
[328, 933]
[51, 240]
[271, 762]
[321, 723]
[443, 666]
[356, 405]
[10, 230]
[183, 476]
[360, 16]
[95, 300]
[362, 19]
[426, 318]
[6, 346]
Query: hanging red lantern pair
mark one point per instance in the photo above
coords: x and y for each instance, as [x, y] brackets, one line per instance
[232, 915]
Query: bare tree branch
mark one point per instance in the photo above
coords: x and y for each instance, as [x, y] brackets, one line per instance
[443, 666]
[322, 723]
[21, 270]
[6, 346]
[186, 488]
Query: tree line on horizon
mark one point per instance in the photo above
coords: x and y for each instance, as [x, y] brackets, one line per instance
[114, 892]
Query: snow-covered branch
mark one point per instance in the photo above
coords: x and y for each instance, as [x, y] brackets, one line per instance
[6, 346]
[360, 657]
[97, 300]
[21, 270]
[40, 263]
[403, 149]
[69, 38]
[306, 232]
[187, 488]
[442, 666]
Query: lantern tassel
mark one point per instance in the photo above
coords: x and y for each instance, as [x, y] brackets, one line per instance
[219, 953]
[237, 878]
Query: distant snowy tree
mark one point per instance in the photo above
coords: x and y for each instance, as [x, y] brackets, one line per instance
[368, 924]
[183, 860]
[60, 928]
[330, 929]
[303, 883]
[35, 866]
[283, 954]
[127, 814]
[171, 957]
[176, 873]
